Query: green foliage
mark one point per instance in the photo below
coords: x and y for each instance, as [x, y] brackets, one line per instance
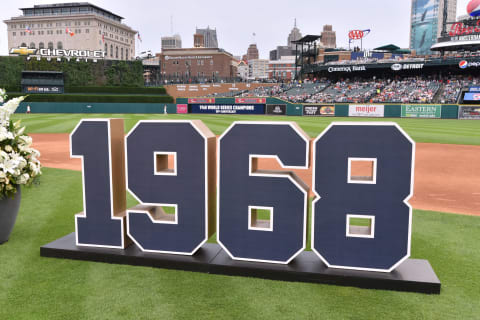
[95, 98]
[117, 90]
[101, 73]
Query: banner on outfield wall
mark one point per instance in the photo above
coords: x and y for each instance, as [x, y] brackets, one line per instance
[421, 111]
[251, 100]
[319, 110]
[182, 108]
[276, 109]
[201, 100]
[227, 108]
[366, 110]
[470, 113]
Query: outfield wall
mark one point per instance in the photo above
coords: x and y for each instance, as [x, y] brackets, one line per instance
[269, 106]
[92, 107]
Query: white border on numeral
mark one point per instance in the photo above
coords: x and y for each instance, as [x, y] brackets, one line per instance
[355, 235]
[164, 173]
[84, 215]
[250, 208]
[318, 197]
[285, 176]
[374, 171]
[171, 205]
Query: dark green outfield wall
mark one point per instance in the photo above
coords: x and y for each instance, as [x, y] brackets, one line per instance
[341, 110]
[83, 107]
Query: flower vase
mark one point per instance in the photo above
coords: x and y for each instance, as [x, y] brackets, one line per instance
[8, 215]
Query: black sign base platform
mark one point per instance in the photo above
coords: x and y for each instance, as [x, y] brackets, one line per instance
[412, 275]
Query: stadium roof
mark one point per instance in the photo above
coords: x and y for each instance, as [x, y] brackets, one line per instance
[457, 46]
[307, 39]
[393, 49]
[388, 47]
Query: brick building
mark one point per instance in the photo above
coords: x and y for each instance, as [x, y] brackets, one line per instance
[197, 65]
[282, 70]
[72, 26]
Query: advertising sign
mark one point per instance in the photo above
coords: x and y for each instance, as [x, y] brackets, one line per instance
[471, 96]
[319, 110]
[24, 51]
[182, 108]
[422, 111]
[250, 100]
[201, 100]
[227, 108]
[366, 110]
[276, 109]
[424, 25]
[474, 89]
[469, 113]
[42, 89]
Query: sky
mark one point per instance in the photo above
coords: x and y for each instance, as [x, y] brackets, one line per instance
[236, 22]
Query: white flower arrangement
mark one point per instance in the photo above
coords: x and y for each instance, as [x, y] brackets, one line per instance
[19, 164]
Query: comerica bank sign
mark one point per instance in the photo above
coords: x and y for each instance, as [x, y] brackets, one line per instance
[67, 53]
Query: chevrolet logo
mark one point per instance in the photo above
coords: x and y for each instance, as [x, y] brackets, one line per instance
[23, 51]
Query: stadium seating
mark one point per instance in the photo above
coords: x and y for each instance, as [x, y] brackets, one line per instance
[401, 90]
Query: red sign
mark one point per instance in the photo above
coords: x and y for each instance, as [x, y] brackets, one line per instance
[201, 100]
[251, 100]
[459, 29]
[356, 34]
[182, 108]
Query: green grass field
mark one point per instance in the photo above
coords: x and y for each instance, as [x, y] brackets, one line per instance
[32, 287]
[421, 130]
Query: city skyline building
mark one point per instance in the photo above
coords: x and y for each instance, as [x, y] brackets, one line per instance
[252, 52]
[294, 35]
[210, 37]
[75, 26]
[426, 23]
[171, 42]
[329, 37]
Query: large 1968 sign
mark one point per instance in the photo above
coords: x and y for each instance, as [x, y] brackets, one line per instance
[260, 215]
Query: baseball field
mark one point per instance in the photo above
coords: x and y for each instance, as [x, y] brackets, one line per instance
[32, 287]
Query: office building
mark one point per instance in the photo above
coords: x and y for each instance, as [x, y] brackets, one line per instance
[72, 26]
[172, 42]
[209, 36]
[252, 52]
[294, 35]
[258, 69]
[329, 37]
[197, 65]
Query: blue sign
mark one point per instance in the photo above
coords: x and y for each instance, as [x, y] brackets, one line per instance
[471, 96]
[474, 89]
[227, 108]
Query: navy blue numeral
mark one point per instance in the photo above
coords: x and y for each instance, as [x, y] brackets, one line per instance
[245, 191]
[101, 225]
[378, 198]
[183, 187]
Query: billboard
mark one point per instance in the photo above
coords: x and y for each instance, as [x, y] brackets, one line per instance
[276, 109]
[319, 110]
[201, 100]
[250, 100]
[182, 108]
[424, 25]
[366, 110]
[472, 97]
[42, 89]
[421, 111]
[227, 108]
[469, 113]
